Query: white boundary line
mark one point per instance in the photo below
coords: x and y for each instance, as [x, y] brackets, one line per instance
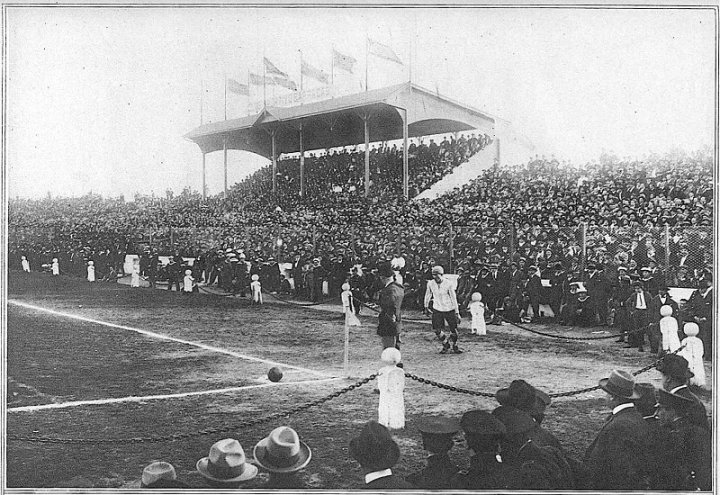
[117, 400]
[167, 337]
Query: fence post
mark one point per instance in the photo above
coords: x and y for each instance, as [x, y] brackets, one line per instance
[583, 247]
[452, 246]
[667, 248]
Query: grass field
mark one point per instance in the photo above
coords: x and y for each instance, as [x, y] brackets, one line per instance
[170, 363]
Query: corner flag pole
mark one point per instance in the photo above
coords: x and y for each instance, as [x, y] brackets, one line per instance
[346, 370]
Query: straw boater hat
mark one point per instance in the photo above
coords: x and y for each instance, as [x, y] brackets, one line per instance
[226, 463]
[282, 451]
[620, 384]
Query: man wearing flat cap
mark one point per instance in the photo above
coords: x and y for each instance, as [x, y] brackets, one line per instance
[441, 291]
[686, 453]
[377, 453]
[390, 301]
[620, 457]
[437, 435]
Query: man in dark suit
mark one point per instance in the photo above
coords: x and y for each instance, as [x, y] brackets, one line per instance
[621, 456]
[390, 301]
[598, 289]
[377, 453]
[675, 376]
[700, 307]
[638, 307]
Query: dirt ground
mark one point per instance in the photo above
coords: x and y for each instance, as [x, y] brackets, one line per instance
[52, 359]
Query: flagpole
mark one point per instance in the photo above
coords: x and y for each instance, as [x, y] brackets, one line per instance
[301, 76]
[249, 108]
[264, 81]
[202, 90]
[225, 78]
[367, 48]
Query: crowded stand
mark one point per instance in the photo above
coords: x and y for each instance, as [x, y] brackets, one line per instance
[521, 236]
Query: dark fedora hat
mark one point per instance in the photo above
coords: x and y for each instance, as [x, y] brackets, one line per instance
[675, 366]
[515, 420]
[522, 395]
[374, 448]
[477, 422]
[620, 384]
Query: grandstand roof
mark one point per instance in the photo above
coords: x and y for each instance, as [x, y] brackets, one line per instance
[338, 122]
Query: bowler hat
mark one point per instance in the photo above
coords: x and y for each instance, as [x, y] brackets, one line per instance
[282, 451]
[226, 463]
[374, 448]
[675, 366]
[438, 425]
[620, 384]
[478, 422]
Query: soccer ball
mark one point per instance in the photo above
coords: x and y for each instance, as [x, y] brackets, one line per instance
[275, 374]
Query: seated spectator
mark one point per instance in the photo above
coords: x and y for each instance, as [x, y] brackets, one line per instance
[283, 455]
[226, 465]
[521, 395]
[675, 375]
[437, 436]
[377, 453]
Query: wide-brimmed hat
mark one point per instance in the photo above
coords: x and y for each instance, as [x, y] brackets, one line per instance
[524, 396]
[226, 463]
[675, 366]
[515, 420]
[374, 448]
[620, 384]
[647, 402]
[282, 451]
[156, 472]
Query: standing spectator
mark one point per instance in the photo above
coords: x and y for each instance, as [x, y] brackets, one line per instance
[620, 457]
[700, 308]
[173, 273]
[598, 289]
[390, 301]
[534, 290]
[445, 309]
[638, 307]
[377, 453]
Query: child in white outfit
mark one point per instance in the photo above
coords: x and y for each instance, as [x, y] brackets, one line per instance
[135, 275]
[347, 302]
[188, 282]
[55, 266]
[693, 352]
[256, 289]
[25, 265]
[91, 271]
[477, 310]
[391, 382]
[669, 330]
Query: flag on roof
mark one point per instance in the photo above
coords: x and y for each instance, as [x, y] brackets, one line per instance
[260, 80]
[235, 87]
[310, 71]
[344, 62]
[383, 51]
[271, 69]
[286, 83]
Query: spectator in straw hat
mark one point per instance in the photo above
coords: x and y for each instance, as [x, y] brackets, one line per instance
[687, 450]
[159, 474]
[377, 453]
[226, 465]
[675, 375]
[487, 470]
[619, 458]
[283, 455]
[437, 435]
[390, 301]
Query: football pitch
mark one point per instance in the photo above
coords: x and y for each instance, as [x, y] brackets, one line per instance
[118, 377]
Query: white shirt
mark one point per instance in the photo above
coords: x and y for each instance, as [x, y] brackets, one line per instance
[677, 388]
[370, 477]
[640, 301]
[443, 295]
[621, 407]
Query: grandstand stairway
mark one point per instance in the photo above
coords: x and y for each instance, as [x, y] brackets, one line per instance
[463, 174]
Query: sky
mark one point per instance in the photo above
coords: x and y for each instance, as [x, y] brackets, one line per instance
[99, 99]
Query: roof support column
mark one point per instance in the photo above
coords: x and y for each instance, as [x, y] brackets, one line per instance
[274, 162]
[406, 173]
[302, 164]
[204, 187]
[225, 166]
[366, 121]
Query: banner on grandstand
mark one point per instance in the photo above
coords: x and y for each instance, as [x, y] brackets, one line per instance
[383, 51]
[342, 61]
